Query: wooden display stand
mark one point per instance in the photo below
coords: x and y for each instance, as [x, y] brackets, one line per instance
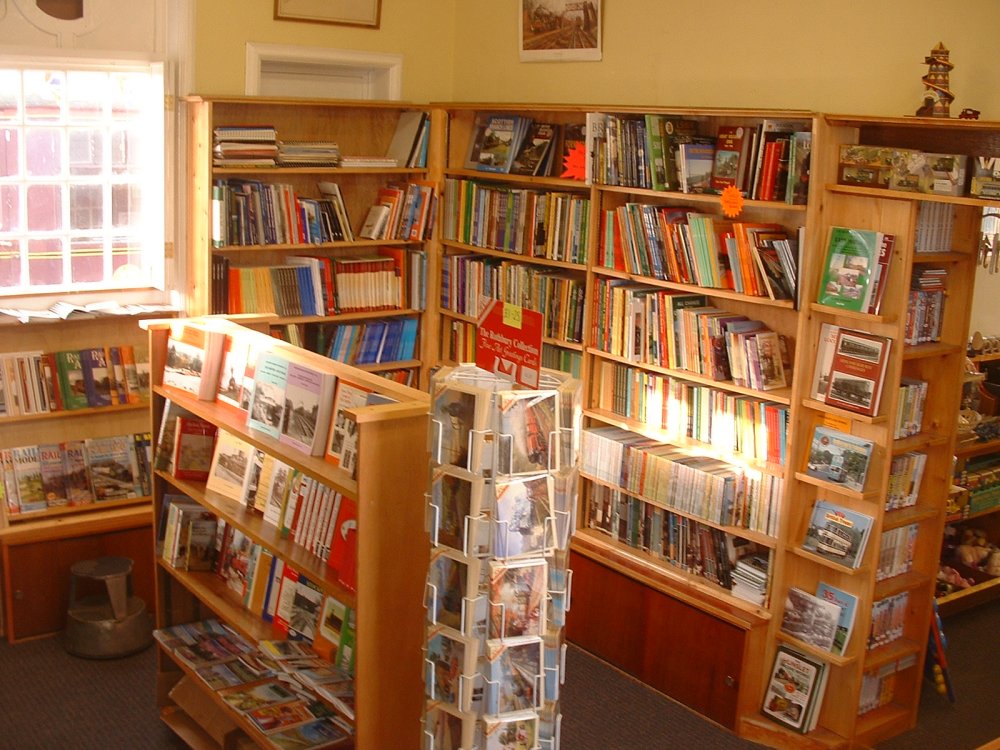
[391, 551]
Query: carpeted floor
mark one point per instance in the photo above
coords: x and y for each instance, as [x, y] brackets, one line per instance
[52, 701]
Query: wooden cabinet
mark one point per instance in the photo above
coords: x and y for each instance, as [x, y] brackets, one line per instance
[51, 540]
[391, 546]
[849, 716]
[358, 129]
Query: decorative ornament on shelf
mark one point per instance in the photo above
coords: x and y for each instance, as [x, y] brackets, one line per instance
[937, 97]
[575, 163]
[732, 201]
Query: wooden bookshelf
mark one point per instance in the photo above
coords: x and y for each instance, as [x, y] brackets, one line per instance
[359, 128]
[391, 552]
[39, 547]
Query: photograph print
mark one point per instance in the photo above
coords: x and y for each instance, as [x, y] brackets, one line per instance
[523, 517]
[456, 512]
[453, 597]
[512, 733]
[183, 365]
[526, 434]
[457, 414]
[302, 404]
[449, 729]
[514, 675]
[517, 598]
[450, 666]
[560, 30]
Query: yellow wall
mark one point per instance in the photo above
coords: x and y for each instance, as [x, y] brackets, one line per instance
[852, 56]
[422, 32]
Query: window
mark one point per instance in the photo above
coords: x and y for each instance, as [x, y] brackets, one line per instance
[81, 177]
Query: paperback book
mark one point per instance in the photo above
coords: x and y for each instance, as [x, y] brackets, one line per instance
[839, 457]
[811, 619]
[795, 690]
[848, 604]
[848, 271]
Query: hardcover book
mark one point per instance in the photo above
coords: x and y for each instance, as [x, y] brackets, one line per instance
[230, 463]
[194, 440]
[857, 371]
[69, 372]
[825, 348]
[343, 438]
[193, 360]
[810, 618]
[98, 378]
[837, 533]
[838, 457]
[851, 257]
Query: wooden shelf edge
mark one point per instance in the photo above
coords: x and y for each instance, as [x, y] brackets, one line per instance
[822, 654]
[760, 729]
[84, 524]
[187, 729]
[958, 601]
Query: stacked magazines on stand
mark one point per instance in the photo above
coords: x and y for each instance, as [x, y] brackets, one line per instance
[500, 513]
[282, 689]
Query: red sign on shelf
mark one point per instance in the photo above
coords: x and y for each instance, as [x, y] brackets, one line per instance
[509, 342]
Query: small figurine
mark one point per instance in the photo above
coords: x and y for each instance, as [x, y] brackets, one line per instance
[968, 114]
[938, 97]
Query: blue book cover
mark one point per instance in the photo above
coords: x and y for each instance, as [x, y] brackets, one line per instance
[97, 377]
[837, 533]
[839, 458]
[848, 604]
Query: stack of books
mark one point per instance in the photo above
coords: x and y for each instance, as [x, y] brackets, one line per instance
[245, 146]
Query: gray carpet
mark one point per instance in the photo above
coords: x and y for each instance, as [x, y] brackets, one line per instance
[52, 700]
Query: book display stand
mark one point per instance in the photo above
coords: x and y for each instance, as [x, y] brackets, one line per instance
[500, 511]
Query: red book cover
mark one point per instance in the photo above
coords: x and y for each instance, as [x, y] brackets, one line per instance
[194, 442]
[286, 598]
[857, 371]
[343, 559]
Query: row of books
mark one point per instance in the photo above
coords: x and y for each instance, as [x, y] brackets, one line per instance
[824, 619]
[289, 693]
[278, 394]
[374, 342]
[895, 555]
[515, 144]
[910, 407]
[906, 472]
[699, 486]
[534, 223]
[925, 307]
[685, 332]
[37, 382]
[878, 688]
[75, 472]
[935, 222]
[401, 212]
[566, 360]
[662, 152]
[688, 247]
[682, 542]
[855, 269]
[466, 280]
[888, 619]
[317, 285]
[254, 212]
[731, 423]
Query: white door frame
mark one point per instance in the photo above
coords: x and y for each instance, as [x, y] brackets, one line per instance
[383, 71]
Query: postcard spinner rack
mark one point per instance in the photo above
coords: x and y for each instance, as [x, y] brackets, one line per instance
[500, 512]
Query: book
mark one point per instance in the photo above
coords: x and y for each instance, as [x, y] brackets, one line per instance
[313, 735]
[267, 404]
[76, 473]
[825, 347]
[308, 401]
[404, 140]
[810, 618]
[794, 689]
[113, 467]
[306, 607]
[194, 356]
[851, 256]
[343, 431]
[495, 148]
[231, 461]
[27, 473]
[98, 378]
[231, 374]
[837, 533]
[69, 373]
[194, 442]
[343, 558]
[848, 604]
[839, 457]
[730, 157]
[245, 698]
[53, 470]
[857, 371]
[534, 155]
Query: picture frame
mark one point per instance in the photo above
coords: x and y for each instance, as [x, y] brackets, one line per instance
[559, 30]
[362, 13]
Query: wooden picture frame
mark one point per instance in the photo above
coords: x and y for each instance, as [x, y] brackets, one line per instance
[364, 13]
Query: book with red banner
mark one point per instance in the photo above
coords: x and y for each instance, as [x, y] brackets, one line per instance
[343, 559]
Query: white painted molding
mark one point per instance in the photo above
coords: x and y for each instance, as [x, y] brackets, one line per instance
[385, 70]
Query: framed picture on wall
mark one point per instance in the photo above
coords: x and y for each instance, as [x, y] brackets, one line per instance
[342, 12]
[560, 30]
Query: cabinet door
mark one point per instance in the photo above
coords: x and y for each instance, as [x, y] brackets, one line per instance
[667, 644]
[38, 577]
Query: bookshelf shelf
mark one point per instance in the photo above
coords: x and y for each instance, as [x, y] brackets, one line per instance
[527, 259]
[556, 183]
[891, 652]
[911, 197]
[819, 653]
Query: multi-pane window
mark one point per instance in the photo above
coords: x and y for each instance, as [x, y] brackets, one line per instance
[81, 178]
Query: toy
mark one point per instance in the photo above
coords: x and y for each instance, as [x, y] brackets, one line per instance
[937, 97]
[973, 549]
[992, 566]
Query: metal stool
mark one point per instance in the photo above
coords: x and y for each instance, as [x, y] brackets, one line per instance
[110, 625]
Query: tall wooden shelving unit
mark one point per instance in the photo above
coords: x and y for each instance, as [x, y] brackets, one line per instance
[38, 548]
[359, 128]
[391, 551]
[940, 364]
[678, 632]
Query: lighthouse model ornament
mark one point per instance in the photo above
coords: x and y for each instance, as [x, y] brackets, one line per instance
[937, 96]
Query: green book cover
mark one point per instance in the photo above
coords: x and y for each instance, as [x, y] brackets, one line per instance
[851, 256]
